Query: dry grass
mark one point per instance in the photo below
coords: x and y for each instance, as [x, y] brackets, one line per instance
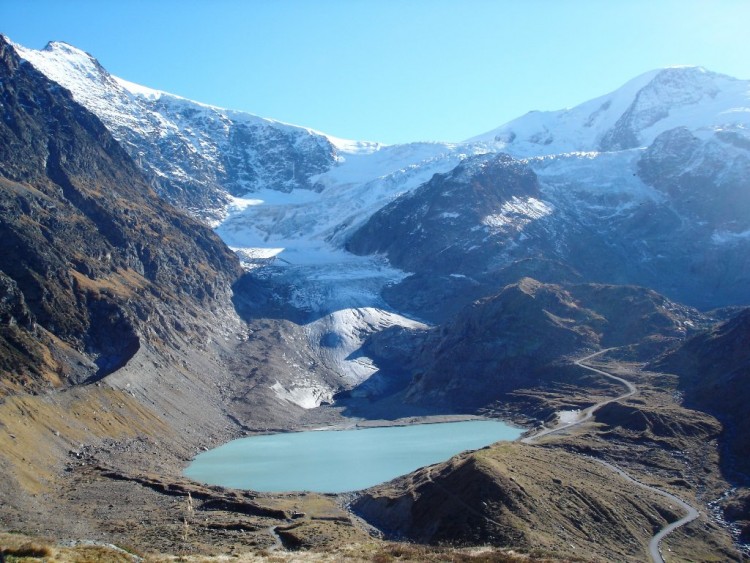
[121, 283]
[411, 552]
[40, 430]
[19, 547]
[371, 552]
[27, 550]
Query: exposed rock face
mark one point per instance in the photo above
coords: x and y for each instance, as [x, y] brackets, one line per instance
[706, 183]
[91, 259]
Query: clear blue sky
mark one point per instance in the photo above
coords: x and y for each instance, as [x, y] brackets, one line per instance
[387, 70]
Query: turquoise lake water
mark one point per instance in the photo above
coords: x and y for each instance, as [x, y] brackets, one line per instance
[340, 461]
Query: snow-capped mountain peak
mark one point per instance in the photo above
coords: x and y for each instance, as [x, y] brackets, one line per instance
[195, 154]
[79, 72]
[631, 116]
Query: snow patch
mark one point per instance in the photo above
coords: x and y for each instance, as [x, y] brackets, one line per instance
[139, 90]
[517, 213]
[252, 258]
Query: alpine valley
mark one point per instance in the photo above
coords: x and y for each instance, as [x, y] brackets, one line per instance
[174, 275]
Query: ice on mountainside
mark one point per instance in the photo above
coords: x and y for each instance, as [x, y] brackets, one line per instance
[341, 333]
[726, 237]
[337, 337]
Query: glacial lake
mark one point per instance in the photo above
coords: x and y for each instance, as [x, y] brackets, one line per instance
[336, 461]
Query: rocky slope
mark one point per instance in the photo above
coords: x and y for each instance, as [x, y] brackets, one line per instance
[115, 308]
[444, 226]
[714, 376]
[502, 344]
[92, 259]
[502, 495]
[672, 217]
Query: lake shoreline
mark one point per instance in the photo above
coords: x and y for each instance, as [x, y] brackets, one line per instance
[334, 459]
[363, 423]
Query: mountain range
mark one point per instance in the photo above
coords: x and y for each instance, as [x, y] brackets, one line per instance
[223, 273]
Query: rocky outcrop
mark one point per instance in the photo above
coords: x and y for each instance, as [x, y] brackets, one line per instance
[457, 223]
[656, 424]
[499, 344]
[633, 313]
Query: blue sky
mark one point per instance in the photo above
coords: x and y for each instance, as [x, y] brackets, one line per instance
[387, 70]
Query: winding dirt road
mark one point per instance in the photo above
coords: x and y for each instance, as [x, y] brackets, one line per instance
[587, 414]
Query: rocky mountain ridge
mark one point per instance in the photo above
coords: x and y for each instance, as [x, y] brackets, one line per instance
[605, 209]
[194, 155]
[672, 217]
[93, 262]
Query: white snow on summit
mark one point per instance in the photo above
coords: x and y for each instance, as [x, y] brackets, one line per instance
[114, 99]
[644, 107]
[139, 90]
